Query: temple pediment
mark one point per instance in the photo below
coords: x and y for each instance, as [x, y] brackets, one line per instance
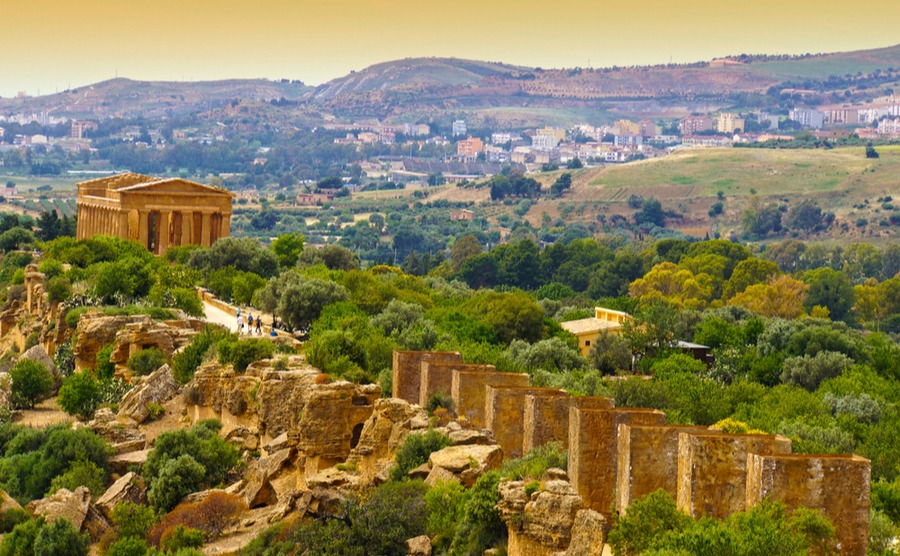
[175, 185]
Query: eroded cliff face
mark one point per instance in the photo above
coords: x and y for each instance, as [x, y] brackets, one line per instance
[551, 520]
[292, 407]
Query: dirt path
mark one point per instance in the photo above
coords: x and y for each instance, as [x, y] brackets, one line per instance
[44, 414]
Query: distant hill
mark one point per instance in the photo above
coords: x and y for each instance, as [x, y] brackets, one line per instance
[152, 99]
[426, 84]
[496, 94]
[688, 182]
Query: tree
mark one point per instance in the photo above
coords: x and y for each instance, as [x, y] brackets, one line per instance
[16, 238]
[463, 249]
[511, 315]
[831, 289]
[806, 216]
[176, 479]
[747, 273]
[79, 395]
[780, 296]
[287, 248]
[610, 353]
[298, 300]
[574, 164]
[562, 184]
[871, 152]
[678, 286]
[264, 219]
[651, 214]
[31, 383]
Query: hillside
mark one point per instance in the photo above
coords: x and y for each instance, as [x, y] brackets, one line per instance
[126, 98]
[423, 84]
[842, 181]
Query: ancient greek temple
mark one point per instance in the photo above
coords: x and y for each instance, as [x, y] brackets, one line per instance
[157, 212]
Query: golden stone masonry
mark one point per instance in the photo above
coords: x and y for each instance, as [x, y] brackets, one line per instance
[156, 212]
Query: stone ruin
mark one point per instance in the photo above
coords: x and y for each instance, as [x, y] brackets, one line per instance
[618, 455]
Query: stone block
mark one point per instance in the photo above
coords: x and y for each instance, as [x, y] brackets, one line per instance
[648, 460]
[505, 414]
[593, 451]
[546, 418]
[407, 371]
[712, 470]
[836, 484]
[437, 377]
[468, 391]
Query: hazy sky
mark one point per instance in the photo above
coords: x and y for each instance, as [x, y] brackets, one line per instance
[51, 45]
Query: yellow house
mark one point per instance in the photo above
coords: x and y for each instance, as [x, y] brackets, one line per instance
[589, 329]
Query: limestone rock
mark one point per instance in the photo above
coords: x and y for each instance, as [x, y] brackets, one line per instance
[439, 475]
[588, 534]
[470, 436]
[130, 487]
[122, 462]
[418, 546]
[7, 502]
[258, 489]
[467, 462]
[96, 331]
[64, 504]
[550, 514]
[157, 387]
[382, 434]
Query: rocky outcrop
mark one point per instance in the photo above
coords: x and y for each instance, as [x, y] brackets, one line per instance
[588, 534]
[129, 488]
[7, 502]
[122, 434]
[75, 507]
[158, 387]
[418, 546]
[382, 435]
[5, 394]
[320, 421]
[539, 523]
[463, 464]
[96, 331]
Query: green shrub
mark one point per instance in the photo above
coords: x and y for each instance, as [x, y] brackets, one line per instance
[480, 527]
[185, 363]
[241, 353]
[536, 462]
[647, 519]
[20, 542]
[31, 383]
[32, 340]
[58, 289]
[180, 538]
[415, 451]
[208, 459]
[73, 315]
[61, 539]
[105, 369]
[127, 546]
[809, 372]
[12, 517]
[79, 395]
[81, 473]
[133, 520]
[146, 361]
[176, 479]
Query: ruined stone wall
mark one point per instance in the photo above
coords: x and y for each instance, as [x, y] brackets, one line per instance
[593, 451]
[546, 418]
[836, 484]
[437, 378]
[407, 371]
[648, 460]
[469, 394]
[505, 414]
[712, 470]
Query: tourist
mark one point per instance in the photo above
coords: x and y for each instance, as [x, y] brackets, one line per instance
[240, 323]
[259, 325]
[249, 323]
[272, 332]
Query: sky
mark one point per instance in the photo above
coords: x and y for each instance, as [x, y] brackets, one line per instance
[52, 45]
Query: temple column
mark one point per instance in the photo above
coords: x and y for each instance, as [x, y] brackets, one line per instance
[122, 230]
[226, 226]
[144, 228]
[165, 222]
[92, 222]
[187, 228]
[206, 230]
[79, 223]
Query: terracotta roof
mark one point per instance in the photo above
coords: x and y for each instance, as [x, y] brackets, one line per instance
[583, 326]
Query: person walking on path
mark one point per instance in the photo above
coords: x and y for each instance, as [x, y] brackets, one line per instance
[259, 325]
[240, 323]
